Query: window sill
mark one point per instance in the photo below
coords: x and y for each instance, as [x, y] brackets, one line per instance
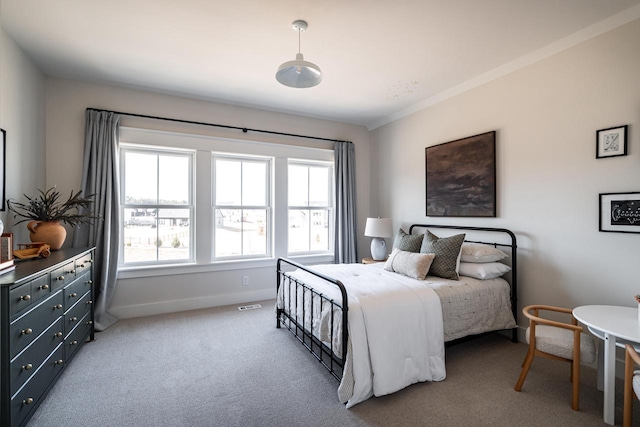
[177, 269]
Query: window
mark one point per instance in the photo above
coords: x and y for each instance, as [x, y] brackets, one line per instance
[241, 206]
[194, 203]
[156, 205]
[310, 207]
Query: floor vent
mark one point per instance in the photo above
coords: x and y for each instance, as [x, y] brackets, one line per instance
[249, 307]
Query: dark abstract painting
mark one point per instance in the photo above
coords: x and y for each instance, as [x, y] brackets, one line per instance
[461, 177]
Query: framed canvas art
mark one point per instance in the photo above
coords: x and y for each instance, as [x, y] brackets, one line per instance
[461, 177]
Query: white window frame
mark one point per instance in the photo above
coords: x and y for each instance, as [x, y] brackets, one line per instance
[330, 207]
[268, 161]
[202, 243]
[159, 151]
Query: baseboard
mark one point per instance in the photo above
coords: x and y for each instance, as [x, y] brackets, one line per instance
[151, 309]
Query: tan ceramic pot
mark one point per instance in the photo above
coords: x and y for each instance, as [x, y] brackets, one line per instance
[50, 232]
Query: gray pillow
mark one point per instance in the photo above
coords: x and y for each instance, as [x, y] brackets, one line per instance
[447, 250]
[407, 242]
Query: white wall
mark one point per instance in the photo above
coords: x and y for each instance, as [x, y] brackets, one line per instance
[546, 116]
[136, 296]
[22, 93]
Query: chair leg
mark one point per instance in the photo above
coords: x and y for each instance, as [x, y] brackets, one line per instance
[575, 371]
[628, 391]
[525, 369]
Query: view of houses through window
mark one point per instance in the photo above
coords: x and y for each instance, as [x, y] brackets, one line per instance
[310, 203]
[241, 206]
[158, 205]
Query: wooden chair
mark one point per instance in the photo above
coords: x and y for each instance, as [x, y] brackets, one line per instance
[631, 382]
[558, 341]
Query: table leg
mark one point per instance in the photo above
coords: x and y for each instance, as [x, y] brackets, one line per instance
[609, 378]
[600, 383]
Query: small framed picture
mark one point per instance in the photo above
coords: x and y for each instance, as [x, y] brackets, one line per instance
[620, 212]
[611, 142]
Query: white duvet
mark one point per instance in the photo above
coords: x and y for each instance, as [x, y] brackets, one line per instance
[395, 329]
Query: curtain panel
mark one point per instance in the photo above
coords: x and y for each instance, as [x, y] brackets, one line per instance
[346, 236]
[101, 178]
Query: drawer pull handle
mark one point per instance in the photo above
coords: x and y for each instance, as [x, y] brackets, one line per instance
[89, 302]
[90, 322]
[58, 334]
[44, 287]
[25, 297]
[73, 295]
[60, 278]
[58, 362]
[73, 319]
[28, 401]
[73, 343]
[59, 306]
[26, 331]
[90, 282]
[82, 265]
[72, 272]
[27, 367]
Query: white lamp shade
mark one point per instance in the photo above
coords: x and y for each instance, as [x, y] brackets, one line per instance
[299, 73]
[378, 227]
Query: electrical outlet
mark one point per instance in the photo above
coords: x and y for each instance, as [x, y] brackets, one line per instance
[245, 280]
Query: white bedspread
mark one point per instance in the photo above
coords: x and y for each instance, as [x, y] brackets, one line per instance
[395, 328]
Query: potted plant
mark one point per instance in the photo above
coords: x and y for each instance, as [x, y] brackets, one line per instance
[45, 212]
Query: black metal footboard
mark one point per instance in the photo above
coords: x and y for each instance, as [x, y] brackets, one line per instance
[300, 320]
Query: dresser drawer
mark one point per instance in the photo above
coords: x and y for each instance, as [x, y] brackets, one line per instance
[29, 397]
[84, 264]
[31, 324]
[78, 336]
[76, 290]
[28, 362]
[20, 298]
[63, 275]
[77, 312]
[40, 287]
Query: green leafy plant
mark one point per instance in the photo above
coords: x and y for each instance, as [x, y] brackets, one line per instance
[46, 206]
[176, 242]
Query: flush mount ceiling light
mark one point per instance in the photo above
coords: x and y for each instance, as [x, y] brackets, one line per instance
[299, 73]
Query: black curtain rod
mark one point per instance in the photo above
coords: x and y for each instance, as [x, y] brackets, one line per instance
[244, 130]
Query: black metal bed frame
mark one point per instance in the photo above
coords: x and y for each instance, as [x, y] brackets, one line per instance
[325, 353]
[304, 333]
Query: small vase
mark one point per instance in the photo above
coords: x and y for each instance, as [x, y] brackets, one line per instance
[50, 232]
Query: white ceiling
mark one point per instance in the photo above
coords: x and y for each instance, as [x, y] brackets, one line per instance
[380, 59]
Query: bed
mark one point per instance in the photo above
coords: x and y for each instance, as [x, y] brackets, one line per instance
[377, 331]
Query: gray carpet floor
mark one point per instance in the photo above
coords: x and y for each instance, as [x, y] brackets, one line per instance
[225, 367]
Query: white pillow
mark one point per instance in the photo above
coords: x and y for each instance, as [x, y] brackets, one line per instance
[483, 271]
[410, 264]
[478, 252]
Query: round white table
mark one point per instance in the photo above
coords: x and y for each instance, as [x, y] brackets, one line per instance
[615, 326]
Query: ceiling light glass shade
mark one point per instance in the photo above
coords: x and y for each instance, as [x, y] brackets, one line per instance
[299, 73]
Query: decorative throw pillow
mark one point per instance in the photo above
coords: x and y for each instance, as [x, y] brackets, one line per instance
[478, 252]
[410, 264]
[483, 271]
[447, 250]
[407, 242]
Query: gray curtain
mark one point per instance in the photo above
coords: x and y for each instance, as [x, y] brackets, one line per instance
[346, 227]
[101, 177]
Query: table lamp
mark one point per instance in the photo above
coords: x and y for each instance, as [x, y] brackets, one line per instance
[379, 229]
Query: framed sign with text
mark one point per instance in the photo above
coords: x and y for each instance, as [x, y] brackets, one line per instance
[620, 212]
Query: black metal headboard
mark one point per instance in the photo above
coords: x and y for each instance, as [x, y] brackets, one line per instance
[514, 258]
